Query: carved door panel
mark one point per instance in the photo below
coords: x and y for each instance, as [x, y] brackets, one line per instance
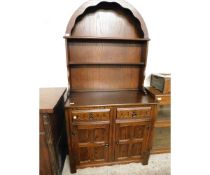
[131, 139]
[91, 143]
[91, 136]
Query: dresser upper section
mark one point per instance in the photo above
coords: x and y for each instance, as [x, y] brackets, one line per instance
[106, 47]
[107, 18]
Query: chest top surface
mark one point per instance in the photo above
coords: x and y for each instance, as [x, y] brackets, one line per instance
[48, 98]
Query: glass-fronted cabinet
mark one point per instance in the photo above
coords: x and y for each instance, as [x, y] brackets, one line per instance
[162, 129]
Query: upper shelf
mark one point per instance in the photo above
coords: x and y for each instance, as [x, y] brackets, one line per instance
[104, 63]
[106, 39]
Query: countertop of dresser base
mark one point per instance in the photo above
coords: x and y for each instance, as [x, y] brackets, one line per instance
[108, 98]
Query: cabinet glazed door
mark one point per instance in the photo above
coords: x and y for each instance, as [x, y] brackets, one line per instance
[131, 140]
[91, 136]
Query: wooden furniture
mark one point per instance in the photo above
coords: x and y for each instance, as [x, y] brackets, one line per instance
[162, 130]
[109, 116]
[52, 135]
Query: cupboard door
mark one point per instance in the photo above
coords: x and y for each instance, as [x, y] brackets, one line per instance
[91, 143]
[131, 140]
[91, 138]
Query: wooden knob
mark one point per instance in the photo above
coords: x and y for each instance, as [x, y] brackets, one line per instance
[106, 145]
[75, 117]
[134, 115]
[91, 116]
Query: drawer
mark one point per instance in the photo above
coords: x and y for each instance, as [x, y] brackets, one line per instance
[133, 113]
[91, 115]
[164, 100]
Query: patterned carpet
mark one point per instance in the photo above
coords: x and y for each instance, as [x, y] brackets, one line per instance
[159, 164]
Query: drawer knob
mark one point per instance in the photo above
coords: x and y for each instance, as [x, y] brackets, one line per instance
[74, 117]
[134, 115]
[159, 98]
[106, 145]
[91, 116]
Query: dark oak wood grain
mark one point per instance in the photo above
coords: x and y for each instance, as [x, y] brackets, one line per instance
[105, 77]
[108, 39]
[53, 146]
[96, 5]
[106, 32]
[44, 156]
[107, 52]
[110, 119]
[131, 140]
[97, 137]
[108, 98]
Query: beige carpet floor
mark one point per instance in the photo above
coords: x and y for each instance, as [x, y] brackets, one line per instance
[159, 164]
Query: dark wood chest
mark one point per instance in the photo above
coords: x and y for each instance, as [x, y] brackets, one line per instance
[52, 135]
[109, 116]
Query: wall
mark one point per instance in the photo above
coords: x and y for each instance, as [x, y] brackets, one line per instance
[54, 19]
[32, 55]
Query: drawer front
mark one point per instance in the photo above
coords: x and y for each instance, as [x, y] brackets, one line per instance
[164, 100]
[91, 115]
[133, 113]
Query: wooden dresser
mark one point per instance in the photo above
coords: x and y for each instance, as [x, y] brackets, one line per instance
[109, 116]
[52, 135]
[162, 130]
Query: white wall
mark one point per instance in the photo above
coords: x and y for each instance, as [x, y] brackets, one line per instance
[32, 55]
[54, 17]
